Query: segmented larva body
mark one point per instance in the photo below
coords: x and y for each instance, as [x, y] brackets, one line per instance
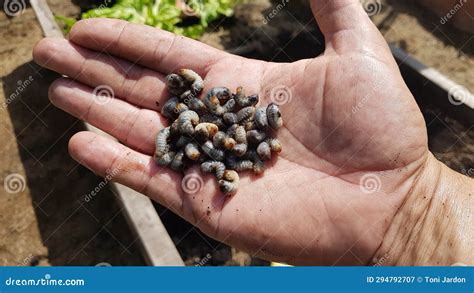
[175, 84]
[239, 165]
[222, 140]
[261, 120]
[206, 130]
[256, 136]
[243, 100]
[182, 141]
[275, 145]
[186, 122]
[196, 81]
[178, 161]
[245, 114]
[223, 132]
[161, 143]
[169, 107]
[213, 119]
[196, 105]
[215, 167]
[274, 116]
[229, 184]
[209, 149]
[192, 151]
[264, 151]
[216, 97]
[165, 159]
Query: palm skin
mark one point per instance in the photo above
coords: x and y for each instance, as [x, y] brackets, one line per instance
[348, 118]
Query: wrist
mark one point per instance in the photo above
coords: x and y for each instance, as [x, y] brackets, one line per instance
[434, 224]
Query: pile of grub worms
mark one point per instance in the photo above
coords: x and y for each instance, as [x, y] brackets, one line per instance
[224, 132]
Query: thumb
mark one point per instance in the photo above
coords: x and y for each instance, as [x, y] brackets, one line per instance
[345, 25]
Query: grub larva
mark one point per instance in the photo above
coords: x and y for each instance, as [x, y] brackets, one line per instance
[206, 130]
[215, 167]
[192, 151]
[186, 122]
[243, 100]
[213, 152]
[229, 182]
[223, 132]
[196, 81]
[274, 116]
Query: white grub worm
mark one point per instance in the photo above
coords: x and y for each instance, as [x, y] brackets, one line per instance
[264, 151]
[261, 120]
[222, 140]
[213, 152]
[161, 143]
[245, 114]
[196, 81]
[178, 161]
[243, 100]
[215, 167]
[256, 136]
[274, 116]
[206, 130]
[239, 165]
[192, 151]
[275, 145]
[169, 107]
[165, 159]
[229, 184]
[222, 131]
[186, 122]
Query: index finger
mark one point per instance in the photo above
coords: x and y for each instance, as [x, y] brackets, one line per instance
[151, 47]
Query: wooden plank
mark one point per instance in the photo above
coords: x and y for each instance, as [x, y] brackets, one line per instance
[157, 247]
[432, 86]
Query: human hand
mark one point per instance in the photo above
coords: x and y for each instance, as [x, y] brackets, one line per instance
[354, 141]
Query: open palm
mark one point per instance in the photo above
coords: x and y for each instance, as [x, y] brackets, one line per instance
[353, 141]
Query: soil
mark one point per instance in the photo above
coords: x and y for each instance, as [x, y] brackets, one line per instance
[47, 223]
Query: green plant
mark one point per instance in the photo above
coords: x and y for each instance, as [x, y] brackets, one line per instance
[189, 18]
